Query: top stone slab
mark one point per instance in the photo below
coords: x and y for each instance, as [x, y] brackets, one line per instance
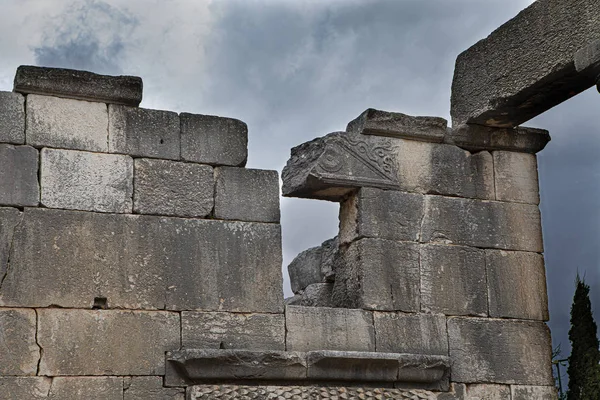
[81, 85]
[537, 60]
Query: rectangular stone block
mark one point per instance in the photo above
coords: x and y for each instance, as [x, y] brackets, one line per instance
[21, 387]
[78, 180]
[66, 123]
[321, 328]
[378, 274]
[383, 214]
[162, 187]
[517, 285]
[486, 224]
[478, 137]
[106, 342]
[352, 366]
[19, 351]
[488, 391]
[516, 176]
[88, 388]
[9, 219]
[247, 194]
[500, 351]
[82, 85]
[143, 132]
[411, 333]
[19, 176]
[69, 258]
[533, 392]
[213, 140]
[12, 118]
[149, 388]
[219, 330]
[453, 280]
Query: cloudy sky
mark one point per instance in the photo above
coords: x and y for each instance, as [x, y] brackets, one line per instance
[298, 69]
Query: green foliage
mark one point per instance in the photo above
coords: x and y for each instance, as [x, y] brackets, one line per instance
[584, 362]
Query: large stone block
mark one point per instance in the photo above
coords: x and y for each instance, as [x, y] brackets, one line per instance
[66, 123]
[315, 265]
[486, 224]
[534, 392]
[517, 285]
[411, 333]
[247, 194]
[143, 132]
[69, 258]
[88, 388]
[21, 387]
[213, 140]
[219, 330]
[500, 351]
[383, 214]
[453, 280]
[106, 342]
[9, 219]
[164, 187]
[20, 352]
[478, 137]
[79, 85]
[79, 180]
[12, 118]
[316, 295]
[488, 391]
[321, 328]
[378, 274]
[149, 388]
[352, 366]
[19, 176]
[516, 176]
[526, 66]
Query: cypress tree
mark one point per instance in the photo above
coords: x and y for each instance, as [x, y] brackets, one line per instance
[584, 368]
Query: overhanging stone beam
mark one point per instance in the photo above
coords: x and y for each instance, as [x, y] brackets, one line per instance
[547, 54]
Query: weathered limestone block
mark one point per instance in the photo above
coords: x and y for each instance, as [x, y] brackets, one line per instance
[143, 132]
[19, 351]
[352, 366]
[314, 265]
[247, 194]
[81, 85]
[478, 137]
[12, 118]
[24, 387]
[516, 177]
[384, 123]
[68, 258]
[487, 224]
[488, 392]
[321, 328]
[19, 176]
[149, 388]
[219, 330]
[517, 285]
[378, 274]
[383, 214]
[164, 187]
[9, 219]
[66, 123]
[332, 166]
[213, 140]
[79, 180]
[418, 368]
[500, 351]
[526, 66]
[92, 342]
[411, 333]
[317, 295]
[533, 392]
[453, 280]
[88, 388]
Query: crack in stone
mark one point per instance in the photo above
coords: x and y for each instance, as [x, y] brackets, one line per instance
[10, 250]
[41, 349]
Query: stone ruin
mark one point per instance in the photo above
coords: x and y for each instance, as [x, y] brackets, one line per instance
[139, 259]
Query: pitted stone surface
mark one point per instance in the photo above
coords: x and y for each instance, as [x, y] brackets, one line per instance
[478, 137]
[322, 328]
[149, 388]
[485, 224]
[352, 366]
[517, 285]
[66, 123]
[10, 218]
[516, 176]
[315, 265]
[19, 176]
[317, 295]
[143, 132]
[20, 353]
[520, 392]
[213, 140]
[88, 388]
[214, 330]
[24, 387]
[12, 118]
[488, 391]
[79, 85]
[82, 342]
[453, 280]
[411, 333]
[247, 194]
[79, 180]
[164, 187]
